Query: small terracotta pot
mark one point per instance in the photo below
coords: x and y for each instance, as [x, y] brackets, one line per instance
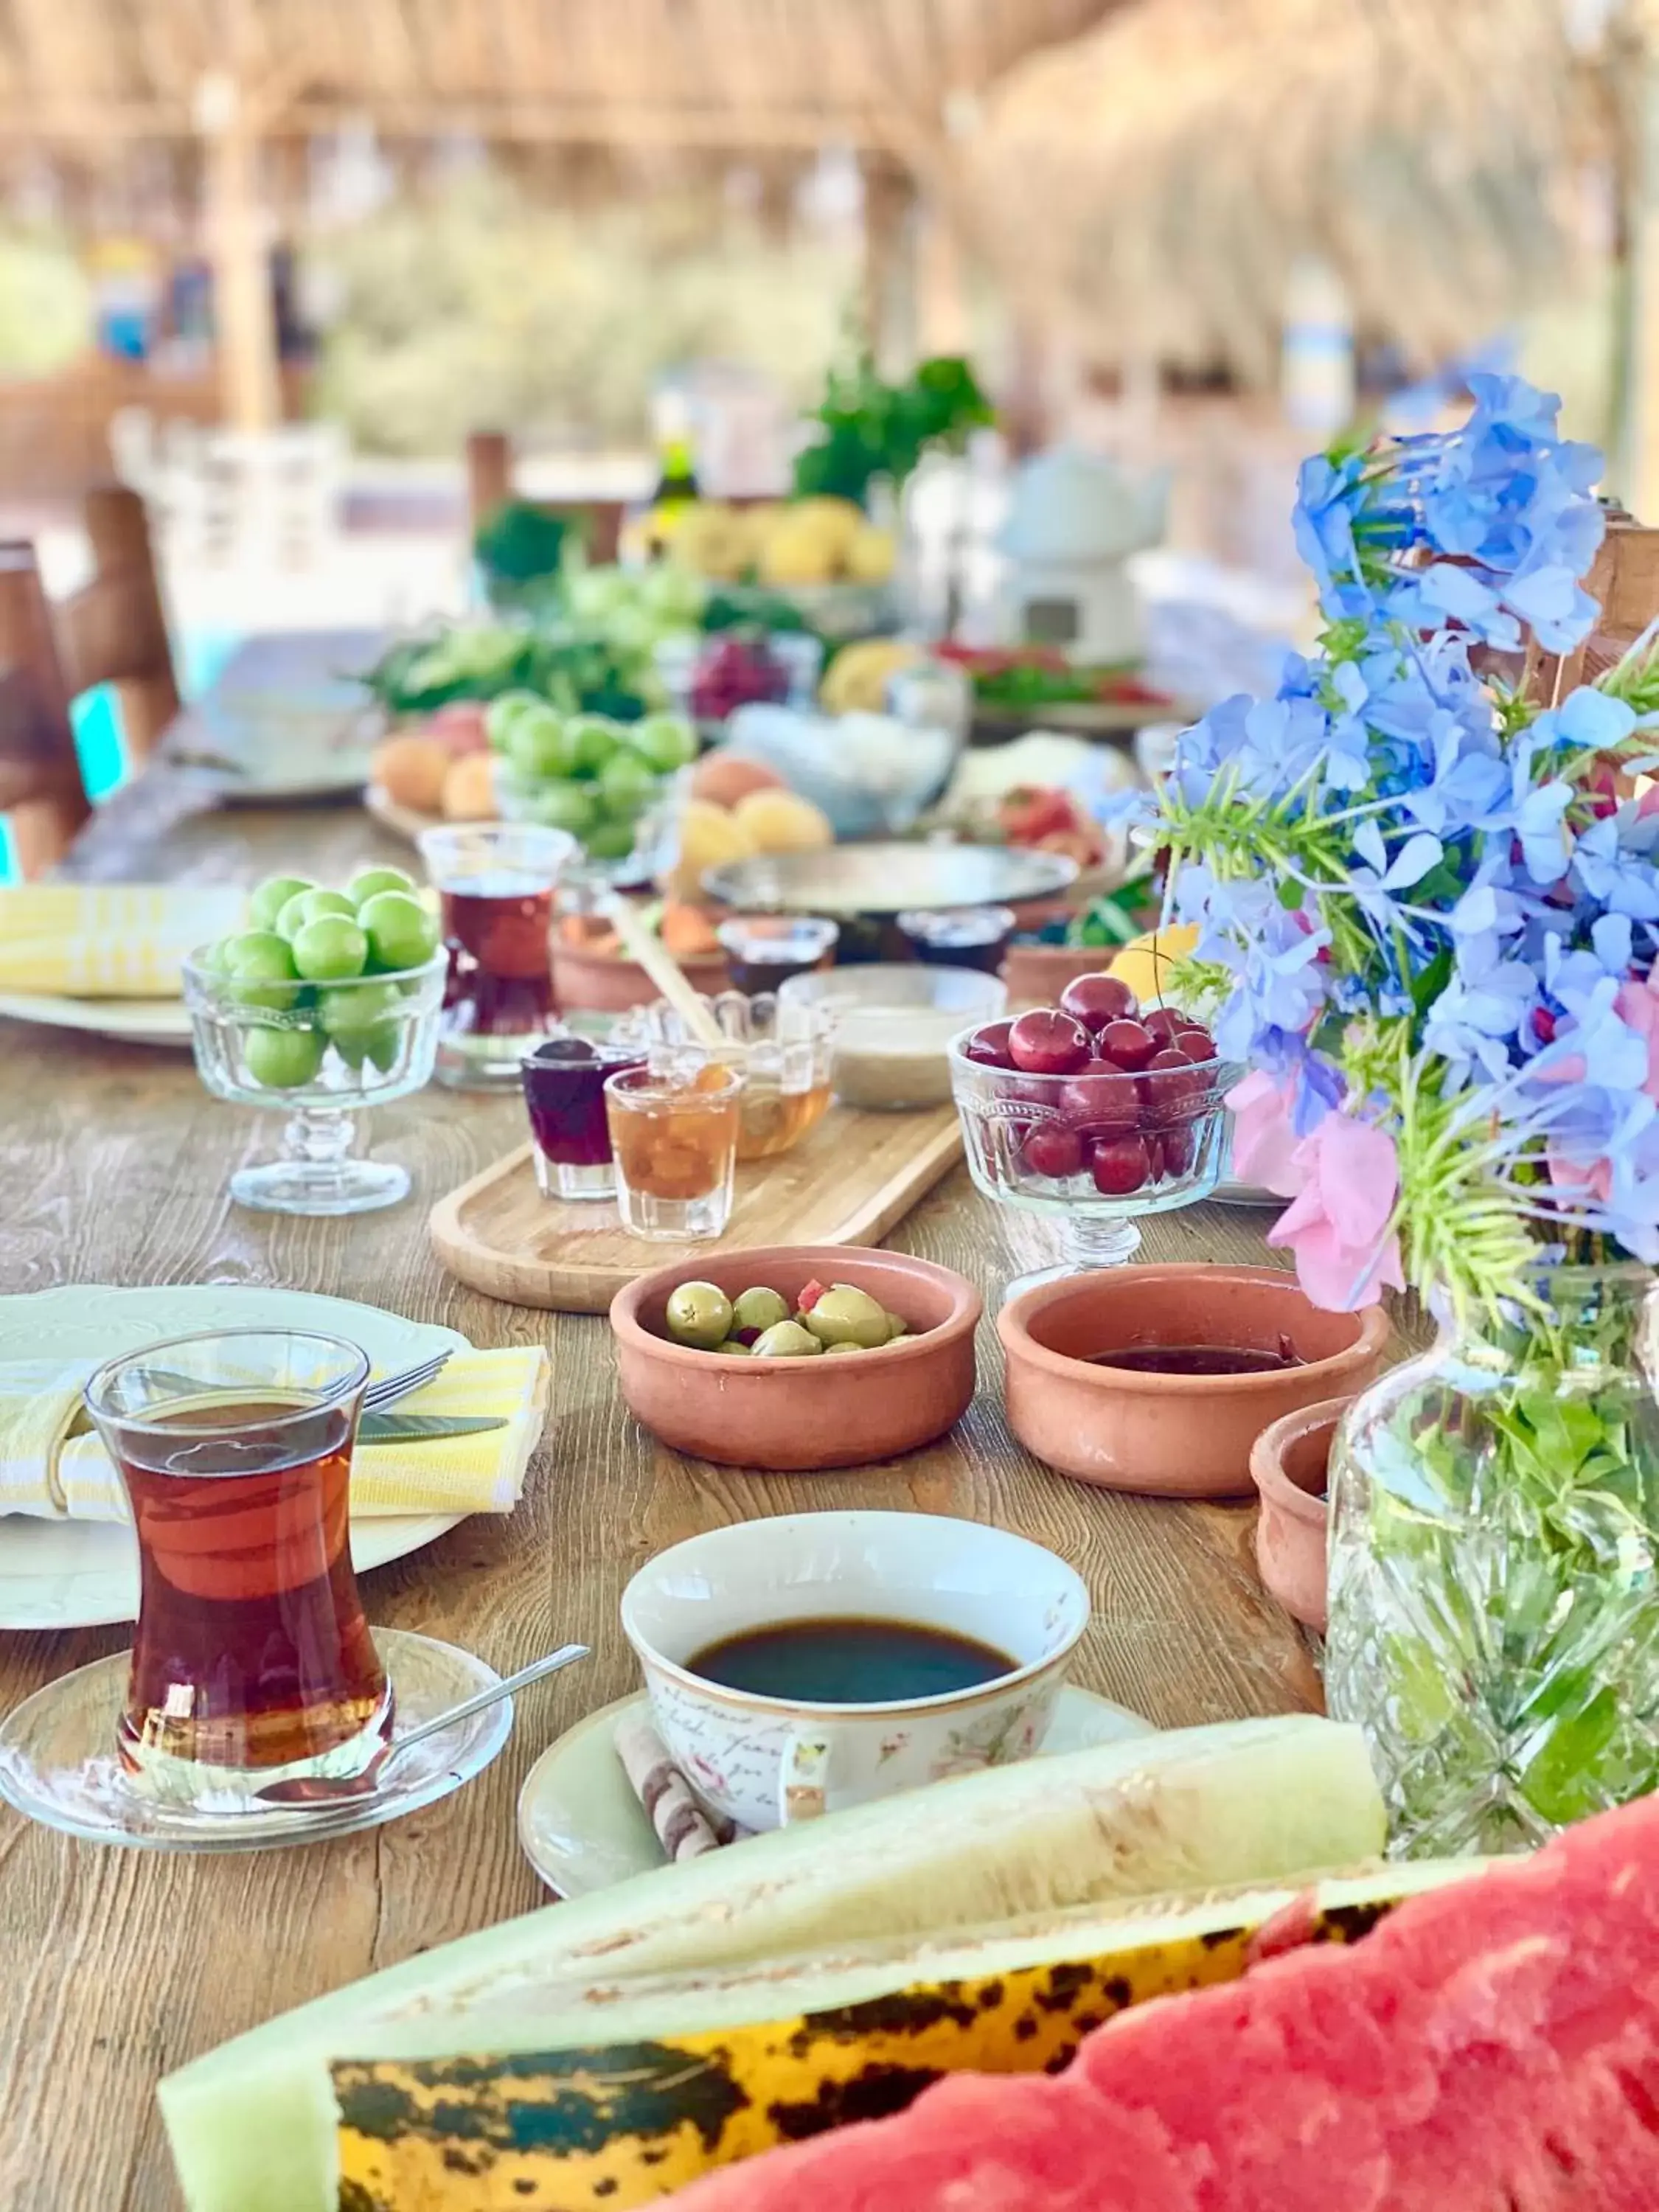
[798, 1416]
[1171, 1435]
[1036, 974]
[587, 982]
[1289, 1462]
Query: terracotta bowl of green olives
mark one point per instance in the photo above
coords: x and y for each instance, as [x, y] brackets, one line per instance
[747, 1358]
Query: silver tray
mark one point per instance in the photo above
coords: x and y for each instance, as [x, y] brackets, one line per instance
[890, 879]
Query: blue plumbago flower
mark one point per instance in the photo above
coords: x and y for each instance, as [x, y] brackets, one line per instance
[1424, 888]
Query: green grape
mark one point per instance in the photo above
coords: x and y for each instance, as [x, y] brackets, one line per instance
[537, 747]
[401, 933]
[272, 896]
[330, 949]
[564, 806]
[610, 840]
[282, 1060]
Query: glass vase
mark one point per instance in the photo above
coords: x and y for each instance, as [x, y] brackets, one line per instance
[1494, 1616]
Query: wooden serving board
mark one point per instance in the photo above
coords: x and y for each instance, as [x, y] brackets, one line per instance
[846, 1182]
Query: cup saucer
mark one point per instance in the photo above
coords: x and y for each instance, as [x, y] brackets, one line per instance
[582, 1828]
[57, 1764]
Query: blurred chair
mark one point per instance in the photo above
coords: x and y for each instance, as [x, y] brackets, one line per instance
[41, 791]
[490, 486]
[113, 630]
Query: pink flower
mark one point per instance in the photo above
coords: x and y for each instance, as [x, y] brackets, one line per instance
[1637, 1007]
[1592, 1182]
[1337, 1224]
[1264, 1142]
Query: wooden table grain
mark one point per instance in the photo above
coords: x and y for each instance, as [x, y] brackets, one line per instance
[115, 1965]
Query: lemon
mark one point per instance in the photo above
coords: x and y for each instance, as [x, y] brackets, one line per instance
[1145, 961]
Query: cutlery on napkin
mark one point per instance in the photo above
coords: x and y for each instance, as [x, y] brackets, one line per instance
[108, 940]
[48, 1470]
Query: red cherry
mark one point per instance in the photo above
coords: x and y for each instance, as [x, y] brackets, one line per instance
[1127, 1045]
[1171, 1089]
[988, 1046]
[1196, 1045]
[1053, 1150]
[1047, 1042]
[1177, 1145]
[1121, 1165]
[1165, 1023]
[1100, 1100]
[1094, 1000]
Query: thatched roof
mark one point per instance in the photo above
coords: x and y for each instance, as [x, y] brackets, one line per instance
[713, 73]
[1157, 179]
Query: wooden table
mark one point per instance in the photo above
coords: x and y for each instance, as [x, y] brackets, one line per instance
[115, 1965]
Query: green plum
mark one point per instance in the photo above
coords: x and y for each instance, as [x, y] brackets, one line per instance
[350, 1009]
[592, 739]
[564, 806]
[272, 896]
[260, 966]
[503, 716]
[625, 786]
[664, 742]
[216, 957]
[311, 906]
[282, 1060]
[401, 933]
[369, 882]
[377, 1046]
[537, 745]
[610, 840]
[330, 949]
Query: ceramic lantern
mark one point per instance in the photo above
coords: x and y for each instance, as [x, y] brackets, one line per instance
[1073, 520]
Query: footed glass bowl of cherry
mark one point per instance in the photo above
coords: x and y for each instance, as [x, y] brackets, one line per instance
[1093, 1113]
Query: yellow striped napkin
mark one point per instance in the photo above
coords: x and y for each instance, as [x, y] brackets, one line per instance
[108, 940]
[47, 1472]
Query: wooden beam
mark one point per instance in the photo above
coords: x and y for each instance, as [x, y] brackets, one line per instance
[244, 313]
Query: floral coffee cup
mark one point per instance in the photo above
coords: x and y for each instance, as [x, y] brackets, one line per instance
[766, 1761]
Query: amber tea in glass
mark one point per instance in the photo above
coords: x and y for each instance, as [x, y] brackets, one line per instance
[496, 883]
[252, 1661]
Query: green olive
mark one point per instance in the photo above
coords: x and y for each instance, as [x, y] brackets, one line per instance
[699, 1314]
[759, 1308]
[846, 1316]
[786, 1339]
[734, 1347]
[897, 1327]
[847, 1346]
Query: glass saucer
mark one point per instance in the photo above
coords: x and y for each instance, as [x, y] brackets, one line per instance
[58, 1762]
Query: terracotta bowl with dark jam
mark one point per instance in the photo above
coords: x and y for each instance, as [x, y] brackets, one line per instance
[1160, 1379]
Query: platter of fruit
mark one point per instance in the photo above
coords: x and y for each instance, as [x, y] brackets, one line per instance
[823, 555]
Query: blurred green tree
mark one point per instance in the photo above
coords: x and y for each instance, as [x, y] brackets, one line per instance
[474, 305]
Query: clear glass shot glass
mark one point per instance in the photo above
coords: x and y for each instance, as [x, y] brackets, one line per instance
[564, 1096]
[765, 949]
[496, 880]
[251, 1662]
[674, 1135]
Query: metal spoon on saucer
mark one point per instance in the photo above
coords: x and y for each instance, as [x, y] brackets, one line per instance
[316, 1790]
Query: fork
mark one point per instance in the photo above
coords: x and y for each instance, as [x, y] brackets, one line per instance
[390, 1387]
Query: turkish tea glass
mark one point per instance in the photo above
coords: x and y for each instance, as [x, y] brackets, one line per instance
[496, 880]
[253, 1663]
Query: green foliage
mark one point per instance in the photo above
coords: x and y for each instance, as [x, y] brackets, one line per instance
[477, 305]
[872, 428]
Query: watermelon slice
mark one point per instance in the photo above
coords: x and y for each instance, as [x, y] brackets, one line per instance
[1493, 2047]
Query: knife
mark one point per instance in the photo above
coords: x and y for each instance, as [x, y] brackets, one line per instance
[420, 1428]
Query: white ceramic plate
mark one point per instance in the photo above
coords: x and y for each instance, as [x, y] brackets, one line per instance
[134, 1021]
[582, 1828]
[80, 1574]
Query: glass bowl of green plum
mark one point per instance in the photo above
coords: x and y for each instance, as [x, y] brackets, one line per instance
[325, 1005]
[613, 786]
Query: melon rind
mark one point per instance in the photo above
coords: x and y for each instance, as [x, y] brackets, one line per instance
[251, 2124]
